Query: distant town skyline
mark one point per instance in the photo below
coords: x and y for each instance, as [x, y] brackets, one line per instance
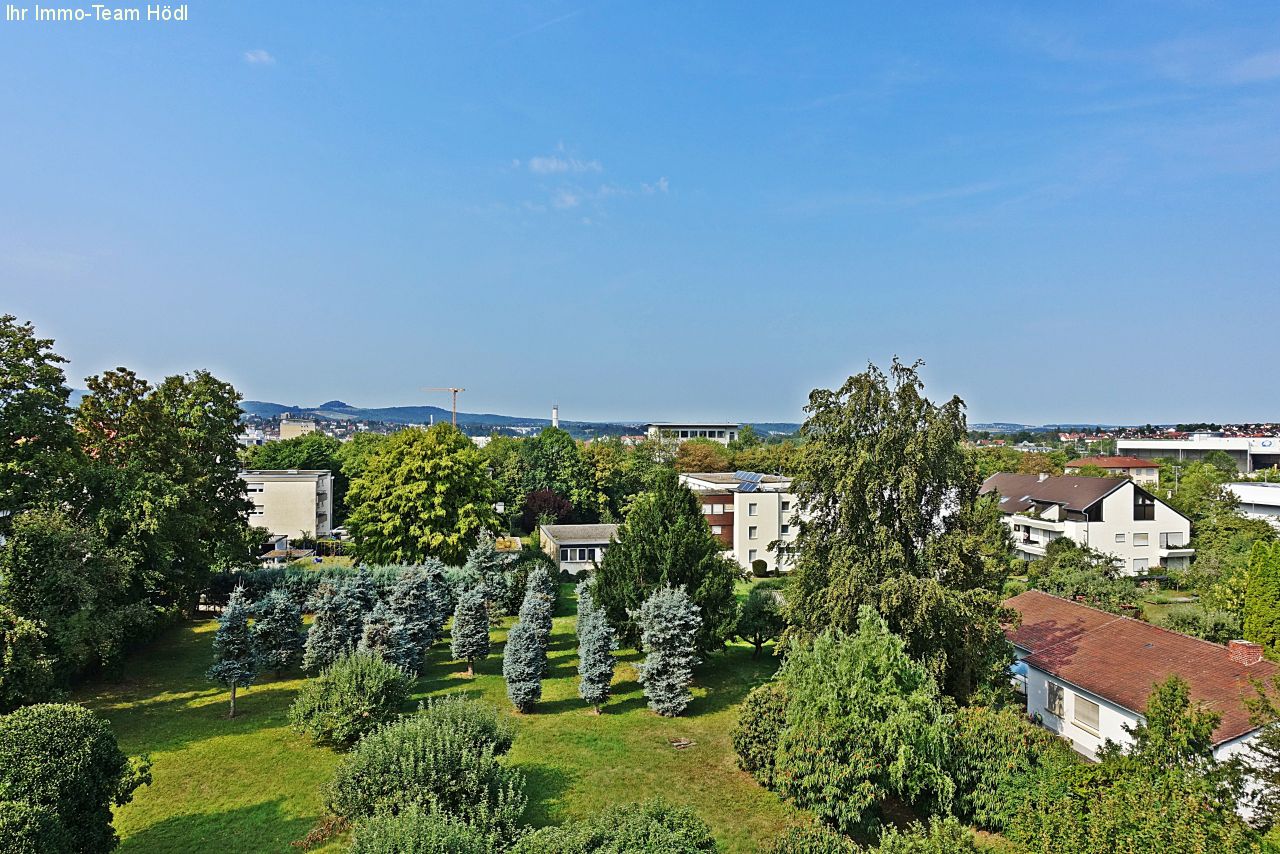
[658, 211]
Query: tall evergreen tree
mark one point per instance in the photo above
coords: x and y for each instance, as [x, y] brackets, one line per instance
[666, 541]
[669, 623]
[1262, 759]
[470, 628]
[331, 635]
[234, 662]
[1262, 598]
[524, 659]
[892, 519]
[538, 608]
[596, 643]
[277, 632]
[386, 635]
[418, 601]
[491, 569]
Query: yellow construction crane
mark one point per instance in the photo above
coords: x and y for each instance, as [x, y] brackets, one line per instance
[455, 399]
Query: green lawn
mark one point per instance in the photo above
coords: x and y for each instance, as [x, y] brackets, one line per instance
[249, 784]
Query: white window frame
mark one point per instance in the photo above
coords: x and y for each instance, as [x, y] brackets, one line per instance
[1141, 539]
[753, 509]
[752, 531]
[1076, 703]
[1120, 538]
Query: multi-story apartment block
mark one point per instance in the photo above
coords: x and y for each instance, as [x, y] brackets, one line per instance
[292, 428]
[1140, 471]
[1111, 515]
[750, 513]
[292, 502]
[676, 433]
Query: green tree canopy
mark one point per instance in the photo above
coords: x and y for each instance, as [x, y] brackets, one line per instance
[314, 450]
[665, 540]
[424, 493]
[893, 520]
[553, 460]
[1262, 598]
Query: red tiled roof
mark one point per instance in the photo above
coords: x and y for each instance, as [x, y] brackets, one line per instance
[1121, 659]
[1114, 463]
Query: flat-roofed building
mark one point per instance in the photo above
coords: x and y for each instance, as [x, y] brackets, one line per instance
[1258, 501]
[750, 513]
[683, 432]
[1140, 471]
[1250, 454]
[291, 502]
[292, 428]
[576, 548]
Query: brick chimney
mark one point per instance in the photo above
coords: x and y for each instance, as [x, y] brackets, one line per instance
[1244, 652]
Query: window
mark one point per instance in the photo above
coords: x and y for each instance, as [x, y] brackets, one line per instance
[786, 505]
[684, 434]
[1141, 539]
[719, 509]
[751, 509]
[1119, 538]
[1172, 540]
[564, 555]
[728, 508]
[786, 529]
[1054, 701]
[751, 532]
[1139, 565]
[1085, 713]
[1144, 507]
[708, 509]
[253, 487]
[751, 555]
[716, 529]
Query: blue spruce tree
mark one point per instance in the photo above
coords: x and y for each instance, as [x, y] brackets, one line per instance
[386, 636]
[234, 662]
[277, 632]
[524, 660]
[332, 634]
[417, 601]
[471, 628]
[596, 643]
[540, 604]
[669, 623]
[491, 569]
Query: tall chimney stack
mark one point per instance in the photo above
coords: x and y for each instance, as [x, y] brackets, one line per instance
[555, 415]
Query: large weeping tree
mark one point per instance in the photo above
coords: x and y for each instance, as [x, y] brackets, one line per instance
[892, 519]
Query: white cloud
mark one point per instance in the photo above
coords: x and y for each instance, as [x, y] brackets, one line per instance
[553, 164]
[258, 56]
[659, 186]
[564, 199]
[1258, 68]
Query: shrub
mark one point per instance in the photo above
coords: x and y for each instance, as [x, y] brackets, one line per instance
[26, 673]
[471, 629]
[476, 723]
[652, 827]
[350, 699]
[414, 831]
[942, 836]
[64, 759]
[760, 568]
[420, 762]
[669, 624]
[596, 643]
[813, 839]
[30, 829]
[759, 727]
[277, 632]
[992, 759]
[864, 721]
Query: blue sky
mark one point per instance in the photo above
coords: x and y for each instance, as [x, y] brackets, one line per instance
[658, 210]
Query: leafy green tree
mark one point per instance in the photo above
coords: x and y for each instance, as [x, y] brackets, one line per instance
[277, 632]
[553, 460]
[314, 450]
[235, 661]
[761, 619]
[502, 454]
[596, 643]
[64, 759]
[1173, 733]
[354, 454]
[666, 541]
[470, 641]
[1223, 462]
[1263, 756]
[26, 674]
[893, 520]
[1262, 598]
[651, 827]
[423, 493]
[864, 721]
[621, 472]
[780, 458]
[669, 623]
[761, 719]
[747, 438]
[1197, 490]
[37, 445]
[1078, 572]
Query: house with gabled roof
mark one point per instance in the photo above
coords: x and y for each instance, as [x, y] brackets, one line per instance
[1112, 515]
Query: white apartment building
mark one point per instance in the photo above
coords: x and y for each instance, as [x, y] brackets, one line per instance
[749, 512]
[676, 433]
[1110, 515]
[1258, 501]
[291, 502]
[1140, 471]
[1250, 454]
[576, 548]
[1087, 674]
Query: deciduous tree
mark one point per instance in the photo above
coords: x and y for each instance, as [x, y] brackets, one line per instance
[1262, 598]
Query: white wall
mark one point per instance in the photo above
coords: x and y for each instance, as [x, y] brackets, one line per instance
[291, 504]
[1111, 718]
[768, 521]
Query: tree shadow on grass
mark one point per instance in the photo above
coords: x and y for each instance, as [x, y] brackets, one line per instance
[260, 827]
[546, 786]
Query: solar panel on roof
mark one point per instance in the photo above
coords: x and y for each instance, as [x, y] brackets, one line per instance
[740, 475]
[751, 477]
[748, 486]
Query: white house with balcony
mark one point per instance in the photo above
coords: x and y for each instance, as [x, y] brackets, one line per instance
[1086, 674]
[1111, 515]
[752, 514]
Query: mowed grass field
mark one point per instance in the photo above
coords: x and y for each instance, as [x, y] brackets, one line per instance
[251, 785]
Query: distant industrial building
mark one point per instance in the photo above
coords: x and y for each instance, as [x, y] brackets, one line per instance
[1140, 471]
[1249, 454]
[1259, 501]
[748, 512]
[292, 502]
[722, 433]
[292, 428]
